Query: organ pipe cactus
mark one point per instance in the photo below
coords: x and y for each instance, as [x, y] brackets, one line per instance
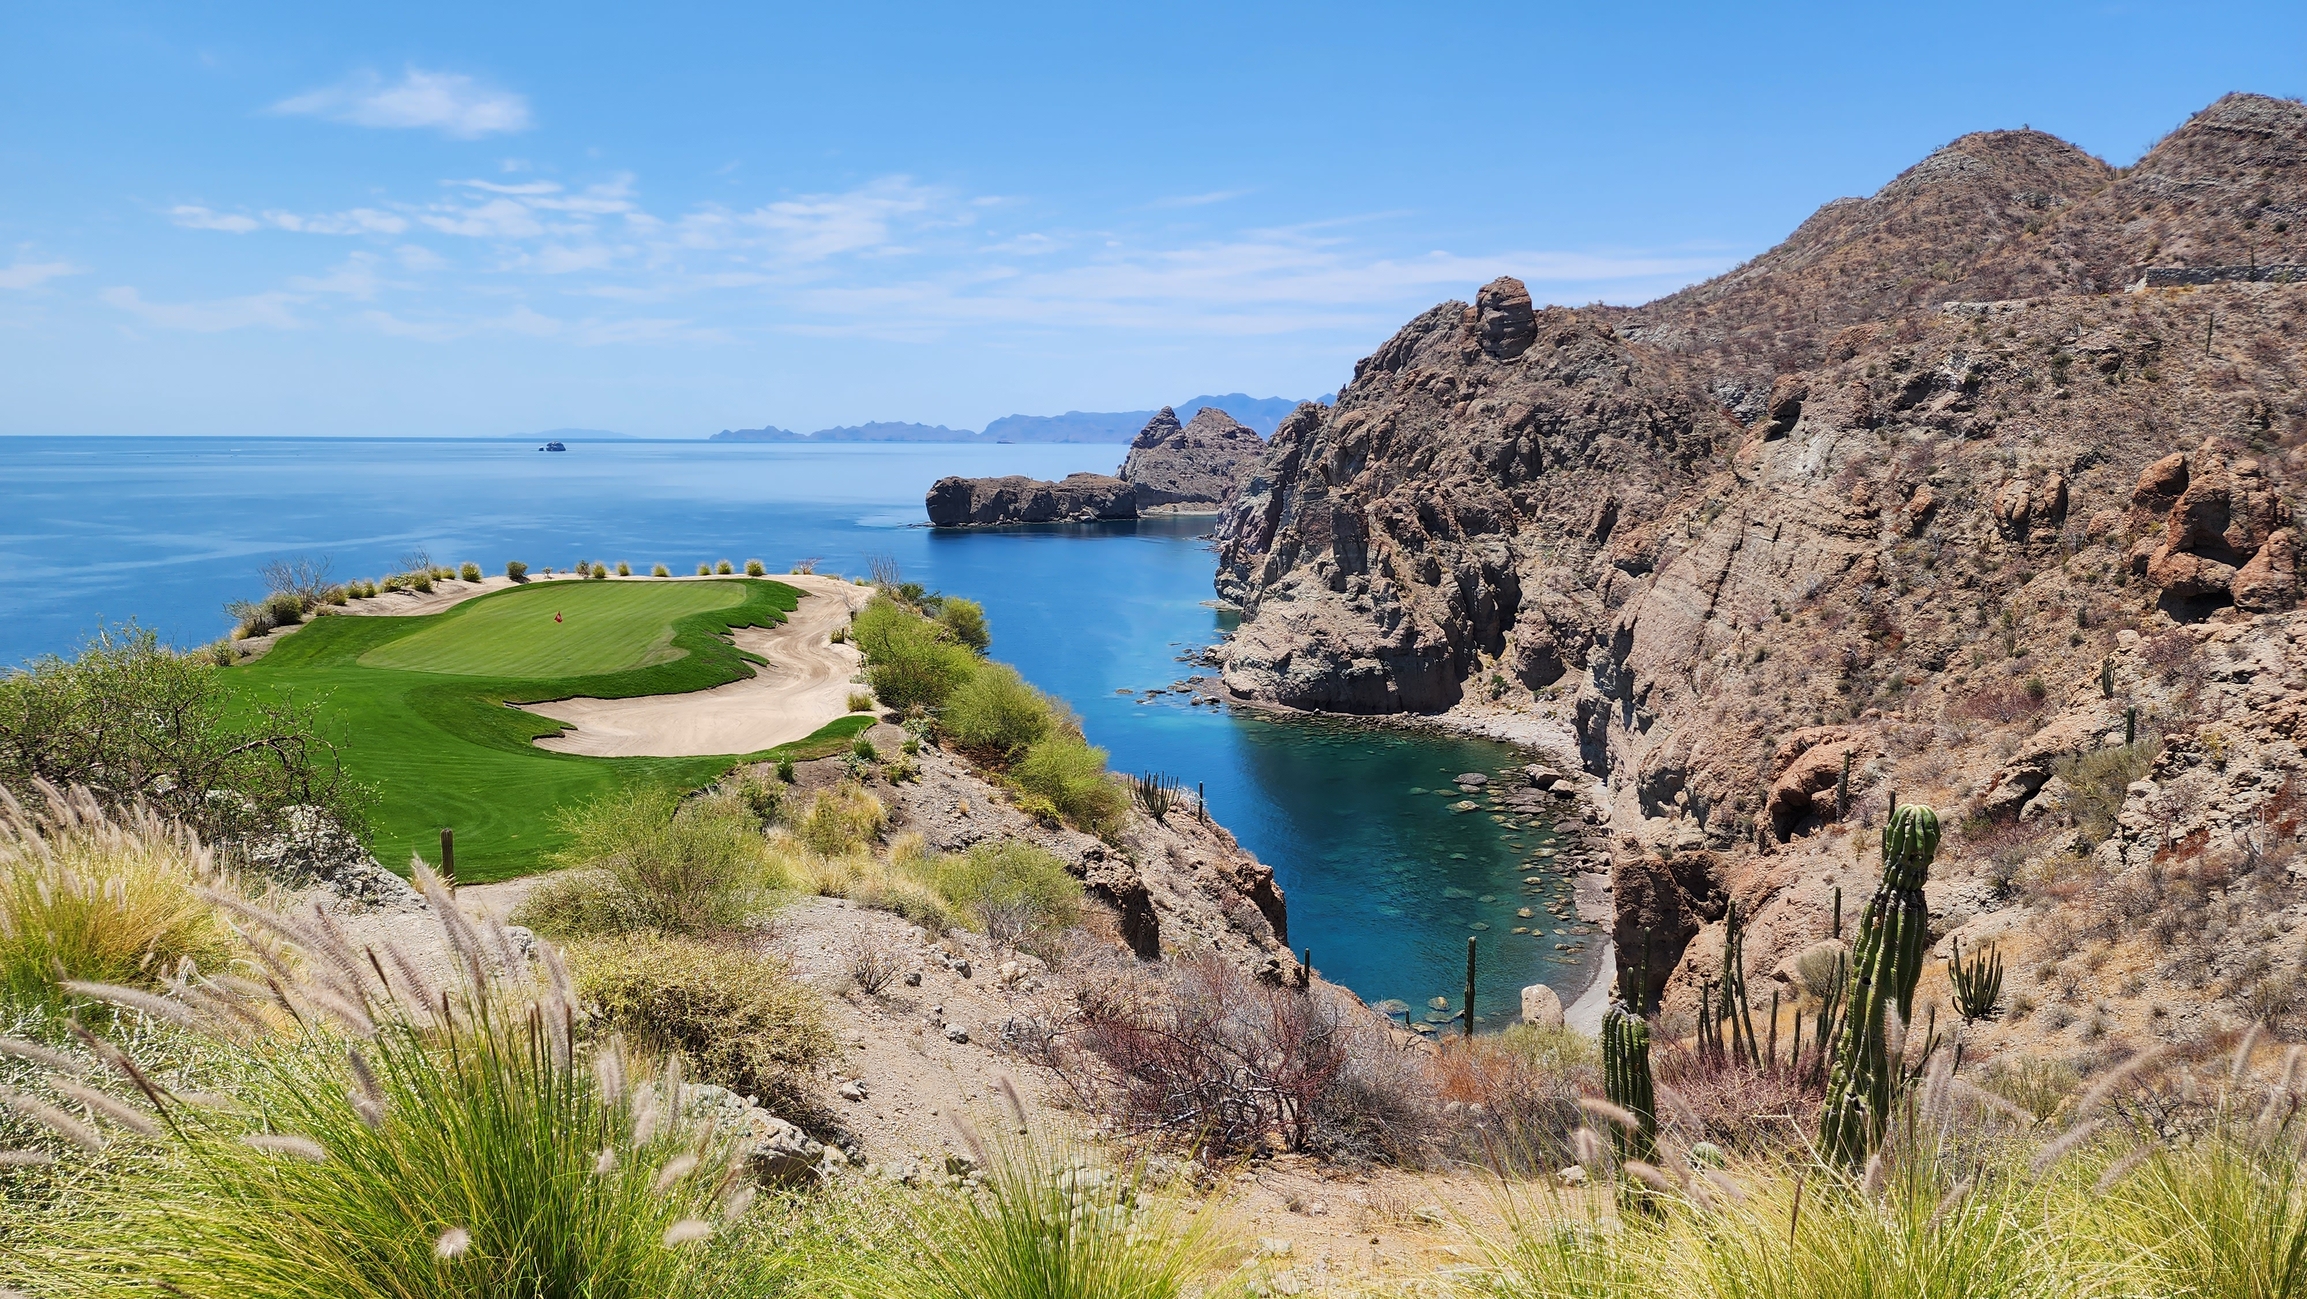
[1626, 1066]
[1626, 1080]
[1887, 959]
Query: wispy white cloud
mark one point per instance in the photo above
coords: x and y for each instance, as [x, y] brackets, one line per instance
[265, 310]
[450, 102]
[355, 221]
[356, 277]
[892, 258]
[1198, 200]
[525, 321]
[27, 275]
[193, 217]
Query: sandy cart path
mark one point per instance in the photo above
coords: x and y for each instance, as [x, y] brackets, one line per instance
[805, 685]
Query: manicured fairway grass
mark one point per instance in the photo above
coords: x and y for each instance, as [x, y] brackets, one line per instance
[419, 704]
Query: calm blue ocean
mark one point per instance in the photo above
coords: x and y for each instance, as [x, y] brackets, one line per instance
[1385, 883]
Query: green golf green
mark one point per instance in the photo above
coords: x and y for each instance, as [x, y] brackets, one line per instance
[419, 706]
[565, 629]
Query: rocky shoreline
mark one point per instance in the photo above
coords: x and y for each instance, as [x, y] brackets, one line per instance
[1194, 468]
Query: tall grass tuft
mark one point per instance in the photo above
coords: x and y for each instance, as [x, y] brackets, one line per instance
[105, 897]
[1049, 1225]
[404, 1140]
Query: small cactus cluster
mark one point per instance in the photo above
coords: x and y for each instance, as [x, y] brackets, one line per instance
[1887, 960]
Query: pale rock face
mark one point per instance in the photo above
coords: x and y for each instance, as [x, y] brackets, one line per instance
[1541, 1006]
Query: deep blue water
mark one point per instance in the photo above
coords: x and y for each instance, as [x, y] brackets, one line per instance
[1384, 881]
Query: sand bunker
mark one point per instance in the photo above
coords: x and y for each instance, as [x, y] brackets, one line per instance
[805, 685]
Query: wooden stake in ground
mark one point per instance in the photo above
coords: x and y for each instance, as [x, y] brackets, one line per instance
[449, 858]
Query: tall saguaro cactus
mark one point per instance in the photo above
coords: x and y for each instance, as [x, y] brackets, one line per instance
[1887, 959]
[1626, 1064]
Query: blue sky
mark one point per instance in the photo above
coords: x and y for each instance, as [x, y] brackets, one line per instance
[668, 219]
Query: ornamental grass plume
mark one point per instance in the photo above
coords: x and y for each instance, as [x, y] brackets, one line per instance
[391, 1138]
[1048, 1224]
[110, 895]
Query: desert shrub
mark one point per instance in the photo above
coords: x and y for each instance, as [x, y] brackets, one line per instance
[842, 819]
[104, 897]
[2004, 702]
[785, 770]
[964, 621]
[643, 858]
[704, 570]
[861, 701]
[2097, 782]
[1520, 1089]
[337, 596]
[275, 611]
[1047, 1223]
[1016, 893]
[862, 749]
[994, 716]
[724, 568]
[457, 1144]
[872, 966]
[1721, 1100]
[908, 660]
[755, 568]
[624, 569]
[1069, 772]
[1197, 1052]
[132, 721]
[739, 1018]
[516, 570]
[469, 572]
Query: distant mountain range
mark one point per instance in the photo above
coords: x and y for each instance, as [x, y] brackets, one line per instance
[1261, 413]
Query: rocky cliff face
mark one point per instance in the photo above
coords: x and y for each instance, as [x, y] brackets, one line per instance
[1857, 507]
[991, 502]
[1190, 469]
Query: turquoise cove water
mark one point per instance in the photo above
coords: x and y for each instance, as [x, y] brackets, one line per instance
[1385, 881]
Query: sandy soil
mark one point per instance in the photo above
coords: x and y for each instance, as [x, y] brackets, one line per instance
[805, 685]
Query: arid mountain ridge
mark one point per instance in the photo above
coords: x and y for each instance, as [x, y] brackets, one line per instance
[1947, 482]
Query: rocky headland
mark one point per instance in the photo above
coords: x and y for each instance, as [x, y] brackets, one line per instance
[1193, 468]
[1975, 492]
[956, 502]
[1171, 468]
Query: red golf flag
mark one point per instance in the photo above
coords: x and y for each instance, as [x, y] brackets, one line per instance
[556, 615]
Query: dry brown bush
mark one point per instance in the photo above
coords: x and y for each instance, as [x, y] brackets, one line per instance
[1718, 1099]
[1198, 1053]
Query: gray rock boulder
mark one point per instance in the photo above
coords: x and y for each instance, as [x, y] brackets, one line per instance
[1541, 1006]
[992, 502]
